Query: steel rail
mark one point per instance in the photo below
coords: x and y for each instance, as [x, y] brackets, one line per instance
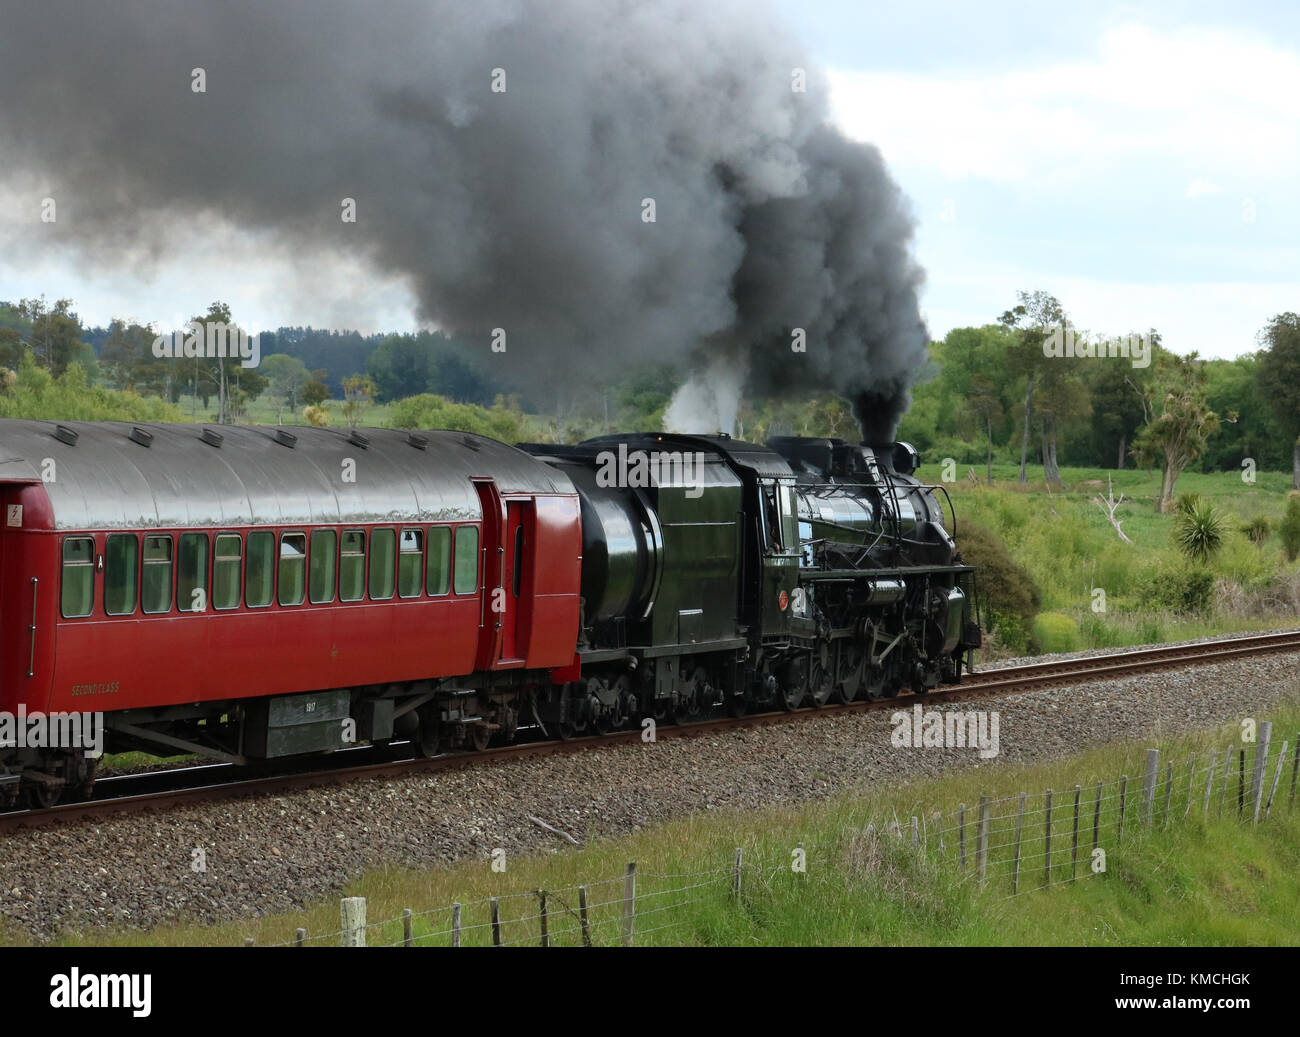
[204, 783]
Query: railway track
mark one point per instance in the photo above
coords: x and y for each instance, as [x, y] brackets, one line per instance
[163, 789]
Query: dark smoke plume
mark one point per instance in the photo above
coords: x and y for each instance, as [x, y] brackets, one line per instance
[519, 210]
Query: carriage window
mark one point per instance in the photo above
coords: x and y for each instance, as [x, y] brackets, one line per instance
[293, 568]
[78, 594]
[789, 517]
[519, 559]
[410, 560]
[226, 558]
[259, 578]
[381, 564]
[120, 574]
[352, 566]
[437, 577]
[323, 542]
[156, 583]
[192, 573]
[466, 559]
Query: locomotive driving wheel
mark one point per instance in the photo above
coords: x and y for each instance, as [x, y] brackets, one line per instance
[820, 685]
[431, 739]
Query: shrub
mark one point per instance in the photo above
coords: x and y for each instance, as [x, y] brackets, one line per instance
[1258, 529]
[1289, 530]
[1186, 590]
[1007, 590]
[1055, 632]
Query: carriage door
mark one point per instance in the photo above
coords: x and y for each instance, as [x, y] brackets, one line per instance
[515, 566]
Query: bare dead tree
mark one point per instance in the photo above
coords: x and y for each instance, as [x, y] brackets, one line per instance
[1108, 504]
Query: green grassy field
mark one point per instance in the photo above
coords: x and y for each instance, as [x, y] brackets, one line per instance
[1071, 550]
[1194, 880]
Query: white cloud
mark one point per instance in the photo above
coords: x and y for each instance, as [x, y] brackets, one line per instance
[1217, 102]
[1200, 187]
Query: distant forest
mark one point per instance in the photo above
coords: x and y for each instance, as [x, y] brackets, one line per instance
[988, 394]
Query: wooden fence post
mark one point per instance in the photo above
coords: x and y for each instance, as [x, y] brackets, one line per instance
[1169, 791]
[407, 919]
[961, 830]
[916, 832]
[983, 849]
[1074, 845]
[496, 921]
[1096, 819]
[629, 903]
[1227, 776]
[1191, 782]
[1123, 802]
[1149, 785]
[299, 937]
[352, 912]
[541, 898]
[1209, 785]
[1020, 824]
[1241, 781]
[1047, 839]
[736, 873]
[455, 924]
[1261, 767]
[1277, 776]
[1295, 766]
[582, 914]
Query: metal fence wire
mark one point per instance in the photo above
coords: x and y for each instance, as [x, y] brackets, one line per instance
[1009, 845]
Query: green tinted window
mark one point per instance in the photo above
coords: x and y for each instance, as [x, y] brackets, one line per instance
[381, 564]
[226, 558]
[156, 580]
[323, 543]
[78, 576]
[352, 565]
[466, 559]
[410, 563]
[120, 574]
[192, 573]
[259, 577]
[293, 568]
[438, 571]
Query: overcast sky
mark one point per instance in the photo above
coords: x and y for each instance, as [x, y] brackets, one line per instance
[1144, 167]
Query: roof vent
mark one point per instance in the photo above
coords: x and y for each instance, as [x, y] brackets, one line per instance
[65, 435]
[286, 438]
[471, 442]
[418, 441]
[139, 435]
[212, 437]
[357, 439]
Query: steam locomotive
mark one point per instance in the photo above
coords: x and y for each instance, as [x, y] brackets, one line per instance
[255, 593]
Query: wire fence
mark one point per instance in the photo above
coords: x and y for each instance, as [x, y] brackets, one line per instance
[1009, 846]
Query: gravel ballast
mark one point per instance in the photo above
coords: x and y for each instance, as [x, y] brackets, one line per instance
[279, 852]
